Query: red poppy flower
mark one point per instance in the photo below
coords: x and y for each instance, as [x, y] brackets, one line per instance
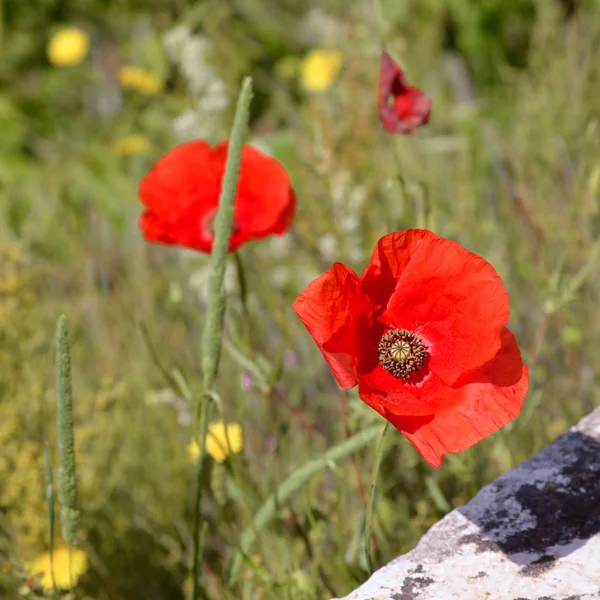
[402, 107]
[422, 333]
[181, 195]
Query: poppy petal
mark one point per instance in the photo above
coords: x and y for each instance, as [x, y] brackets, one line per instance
[402, 107]
[455, 301]
[423, 394]
[487, 400]
[390, 257]
[265, 199]
[179, 192]
[336, 313]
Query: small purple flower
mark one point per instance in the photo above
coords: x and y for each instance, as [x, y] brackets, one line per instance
[269, 443]
[290, 358]
[246, 381]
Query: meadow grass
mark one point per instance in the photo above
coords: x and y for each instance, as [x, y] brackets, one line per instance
[512, 173]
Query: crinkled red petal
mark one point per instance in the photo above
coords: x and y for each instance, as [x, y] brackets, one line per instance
[483, 402]
[265, 201]
[455, 302]
[337, 316]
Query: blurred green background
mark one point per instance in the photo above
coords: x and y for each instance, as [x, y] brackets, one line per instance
[509, 166]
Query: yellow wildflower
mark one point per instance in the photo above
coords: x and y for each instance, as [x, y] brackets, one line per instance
[141, 80]
[68, 47]
[319, 68]
[131, 144]
[65, 575]
[216, 441]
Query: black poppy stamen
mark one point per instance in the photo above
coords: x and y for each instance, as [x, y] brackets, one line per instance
[401, 353]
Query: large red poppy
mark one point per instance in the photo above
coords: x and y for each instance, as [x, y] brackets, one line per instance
[422, 333]
[402, 107]
[181, 195]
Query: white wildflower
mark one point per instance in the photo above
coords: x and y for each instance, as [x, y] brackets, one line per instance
[186, 126]
[356, 254]
[280, 244]
[328, 246]
[175, 40]
[339, 186]
[280, 276]
[349, 223]
[214, 97]
[194, 66]
[357, 198]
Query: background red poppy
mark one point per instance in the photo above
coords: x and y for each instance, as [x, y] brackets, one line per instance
[181, 195]
[402, 107]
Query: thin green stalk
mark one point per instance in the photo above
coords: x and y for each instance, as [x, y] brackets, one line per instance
[241, 274]
[268, 510]
[67, 473]
[211, 336]
[50, 502]
[371, 500]
[212, 333]
[377, 8]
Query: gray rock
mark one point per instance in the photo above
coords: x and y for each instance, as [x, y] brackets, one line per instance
[533, 534]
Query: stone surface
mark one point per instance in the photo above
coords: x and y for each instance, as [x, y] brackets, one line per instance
[533, 534]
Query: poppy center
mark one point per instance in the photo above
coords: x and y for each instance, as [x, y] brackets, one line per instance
[401, 353]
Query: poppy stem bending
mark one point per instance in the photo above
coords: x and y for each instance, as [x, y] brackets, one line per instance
[211, 335]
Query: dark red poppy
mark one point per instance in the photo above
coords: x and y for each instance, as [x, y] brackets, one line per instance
[181, 195]
[402, 107]
[422, 333]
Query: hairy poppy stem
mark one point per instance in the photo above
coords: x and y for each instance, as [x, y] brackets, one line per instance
[67, 474]
[371, 501]
[211, 335]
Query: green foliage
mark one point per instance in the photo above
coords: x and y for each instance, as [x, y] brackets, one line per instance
[513, 175]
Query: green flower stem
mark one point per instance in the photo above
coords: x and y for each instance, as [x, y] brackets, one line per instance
[67, 474]
[211, 336]
[371, 500]
[241, 274]
[50, 503]
[377, 8]
[269, 509]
